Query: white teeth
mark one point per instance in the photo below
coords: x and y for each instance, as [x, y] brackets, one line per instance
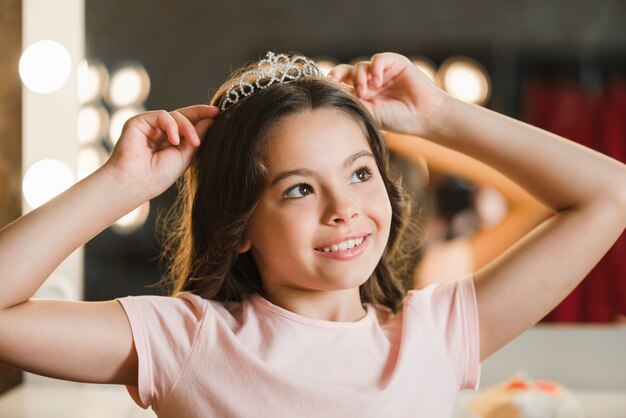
[342, 246]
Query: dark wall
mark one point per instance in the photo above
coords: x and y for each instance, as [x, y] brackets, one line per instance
[190, 47]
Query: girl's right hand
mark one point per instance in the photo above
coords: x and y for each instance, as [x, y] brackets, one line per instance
[156, 148]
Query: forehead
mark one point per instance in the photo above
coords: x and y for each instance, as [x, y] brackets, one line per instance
[319, 135]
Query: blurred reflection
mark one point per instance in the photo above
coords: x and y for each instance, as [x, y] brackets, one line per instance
[472, 212]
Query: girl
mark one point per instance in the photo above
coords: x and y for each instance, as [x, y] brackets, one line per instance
[285, 298]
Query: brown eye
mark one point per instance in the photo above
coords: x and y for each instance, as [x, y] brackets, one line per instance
[298, 191]
[362, 175]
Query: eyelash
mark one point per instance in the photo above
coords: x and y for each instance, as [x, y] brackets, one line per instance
[363, 169]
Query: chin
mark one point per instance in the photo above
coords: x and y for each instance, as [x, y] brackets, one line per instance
[345, 284]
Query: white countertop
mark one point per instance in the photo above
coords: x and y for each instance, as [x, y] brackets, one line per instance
[79, 400]
[595, 403]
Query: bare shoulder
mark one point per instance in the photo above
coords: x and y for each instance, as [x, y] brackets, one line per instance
[78, 341]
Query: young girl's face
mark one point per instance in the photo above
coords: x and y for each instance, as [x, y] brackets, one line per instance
[324, 190]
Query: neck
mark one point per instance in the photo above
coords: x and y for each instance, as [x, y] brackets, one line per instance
[336, 305]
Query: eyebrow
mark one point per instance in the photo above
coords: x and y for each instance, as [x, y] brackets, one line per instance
[304, 172]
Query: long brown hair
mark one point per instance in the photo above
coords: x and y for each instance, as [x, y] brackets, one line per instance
[219, 192]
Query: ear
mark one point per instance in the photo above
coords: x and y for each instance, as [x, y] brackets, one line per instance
[245, 246]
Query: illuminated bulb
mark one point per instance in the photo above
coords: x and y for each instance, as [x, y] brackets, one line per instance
[92, 124]
[133, 220]
[118, 119]
[129, 86]
[93, 77]
[44, 180]
[89, 160]
[325, 64]
[466, 79]
[45, 66]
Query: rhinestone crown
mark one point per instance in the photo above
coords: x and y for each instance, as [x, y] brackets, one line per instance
[274, 68]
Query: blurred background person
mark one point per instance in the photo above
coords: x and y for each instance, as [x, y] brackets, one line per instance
[472, 212]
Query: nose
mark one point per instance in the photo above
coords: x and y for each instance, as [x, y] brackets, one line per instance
[341, 207]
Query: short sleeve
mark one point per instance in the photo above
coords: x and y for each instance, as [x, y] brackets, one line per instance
[454, 310]
[164, 331]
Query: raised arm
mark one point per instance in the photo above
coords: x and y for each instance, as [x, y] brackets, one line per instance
[586, 190]
[83, 341]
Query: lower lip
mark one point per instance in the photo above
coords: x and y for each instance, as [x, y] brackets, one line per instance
[348, 254]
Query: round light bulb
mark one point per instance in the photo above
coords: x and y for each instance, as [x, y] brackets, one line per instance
[325, 64]
[466, 79]
[45, 66]
[93, 77]
[44, 180]
[129, 86]
[92, 124]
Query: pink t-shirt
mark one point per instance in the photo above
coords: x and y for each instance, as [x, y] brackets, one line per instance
[201, 358]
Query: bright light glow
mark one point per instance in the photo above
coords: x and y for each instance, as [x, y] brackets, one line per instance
[426, 66]
[325, 64]
[44, 180]
[133, 220]
[93, 78]
[466, 79]
[89, 160]
[45, 66]
[118, 120]
[129, 86]
[93, 123]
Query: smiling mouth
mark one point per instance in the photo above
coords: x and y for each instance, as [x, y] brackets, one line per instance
[342, 246]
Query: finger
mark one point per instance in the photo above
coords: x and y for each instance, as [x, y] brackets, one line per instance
[385, 66]
[342, 73]
[359, 74]
[186, 128]
[203, 126]
[378, 69]
[196, 113]
[168, 124]
[187, 150]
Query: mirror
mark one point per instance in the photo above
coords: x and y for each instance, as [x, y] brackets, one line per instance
[187, 52]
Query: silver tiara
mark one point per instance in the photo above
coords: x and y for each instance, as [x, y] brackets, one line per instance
[273, 69]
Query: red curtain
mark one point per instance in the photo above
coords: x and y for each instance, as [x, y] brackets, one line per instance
[595, 119]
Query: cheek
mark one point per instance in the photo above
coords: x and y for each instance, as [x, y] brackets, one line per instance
[380, 207]
[386, 214]
[292, 229]
[283, 230]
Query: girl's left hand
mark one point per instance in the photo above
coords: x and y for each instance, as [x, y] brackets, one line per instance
[400, 97]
